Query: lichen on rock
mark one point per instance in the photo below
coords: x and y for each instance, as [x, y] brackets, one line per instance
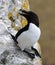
[9, 53]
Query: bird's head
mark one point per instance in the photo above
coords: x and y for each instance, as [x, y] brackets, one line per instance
[30, 16]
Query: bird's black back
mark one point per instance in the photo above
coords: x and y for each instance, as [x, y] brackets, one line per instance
[31, 18]
[21, 30]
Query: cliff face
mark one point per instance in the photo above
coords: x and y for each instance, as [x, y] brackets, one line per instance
[10, 23]
[13, 56]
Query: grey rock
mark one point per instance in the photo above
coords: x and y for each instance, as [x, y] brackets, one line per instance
[10, 54]
[17, 57]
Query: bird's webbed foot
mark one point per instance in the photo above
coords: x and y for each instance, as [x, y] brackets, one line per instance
[31, 55]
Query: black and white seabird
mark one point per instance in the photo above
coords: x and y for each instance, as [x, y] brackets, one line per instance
[30, 34]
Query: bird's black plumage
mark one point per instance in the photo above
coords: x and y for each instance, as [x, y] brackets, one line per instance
[21, 30]
[31, 18]
[36, 52]
[13, 37]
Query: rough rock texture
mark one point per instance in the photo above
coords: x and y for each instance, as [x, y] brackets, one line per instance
[10, 54]
[13, 56]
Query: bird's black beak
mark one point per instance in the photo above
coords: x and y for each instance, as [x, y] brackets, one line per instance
[23, 12]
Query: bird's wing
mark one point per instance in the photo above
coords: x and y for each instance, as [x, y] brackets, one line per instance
[21, 30]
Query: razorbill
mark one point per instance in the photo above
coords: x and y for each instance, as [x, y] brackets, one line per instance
[30, 34]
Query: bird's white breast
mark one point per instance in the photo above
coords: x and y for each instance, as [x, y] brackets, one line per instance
[30, 37]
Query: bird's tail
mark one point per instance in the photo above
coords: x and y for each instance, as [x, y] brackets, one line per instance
[17, 46]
